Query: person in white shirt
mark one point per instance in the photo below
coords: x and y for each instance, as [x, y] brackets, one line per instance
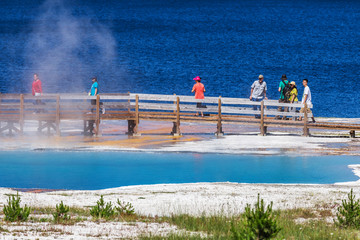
[306, 98]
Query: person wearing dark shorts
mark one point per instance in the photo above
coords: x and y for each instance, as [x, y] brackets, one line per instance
[199, 90]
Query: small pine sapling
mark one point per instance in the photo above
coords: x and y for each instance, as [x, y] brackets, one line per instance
[61, 212]
[258, 223]
[125, 208]
[348, 214]
[102, 209]
[13, 212]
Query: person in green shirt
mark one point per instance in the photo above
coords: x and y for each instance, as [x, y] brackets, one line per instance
[282, 98]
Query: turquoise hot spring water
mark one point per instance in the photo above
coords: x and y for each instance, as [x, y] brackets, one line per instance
[91, 170]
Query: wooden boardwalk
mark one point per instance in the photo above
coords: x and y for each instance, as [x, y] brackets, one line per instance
[50, 109]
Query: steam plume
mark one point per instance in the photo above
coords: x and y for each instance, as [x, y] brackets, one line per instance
[67, 47]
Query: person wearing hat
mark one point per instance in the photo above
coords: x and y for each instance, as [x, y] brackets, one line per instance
[284, 88]
[294, 93]
[293, 96]
[94, 90]
[258, 92]
[199, 90]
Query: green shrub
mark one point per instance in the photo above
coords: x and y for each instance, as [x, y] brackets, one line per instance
[348, 214]
[258, 223]
[61, 212]
[13, 212]
[125, 208]
[102, 209]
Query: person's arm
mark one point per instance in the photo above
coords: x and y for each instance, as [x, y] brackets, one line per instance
[251, 93]
[292, 98]
[40, 88]
[95, 91]
[33, 89]
[193, 89]
[280, 87]
[265, 89]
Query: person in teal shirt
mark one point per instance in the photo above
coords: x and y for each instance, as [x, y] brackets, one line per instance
[94, 90]
[282, 84]
[282, 98]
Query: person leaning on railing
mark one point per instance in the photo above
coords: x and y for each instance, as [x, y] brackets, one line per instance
[258, 92]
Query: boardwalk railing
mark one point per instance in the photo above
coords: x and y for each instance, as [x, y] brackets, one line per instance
[220, 110]
[50, 109]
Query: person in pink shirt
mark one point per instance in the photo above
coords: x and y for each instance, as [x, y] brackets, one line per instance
[199, 90]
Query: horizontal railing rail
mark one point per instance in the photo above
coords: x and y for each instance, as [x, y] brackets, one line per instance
[52, 108]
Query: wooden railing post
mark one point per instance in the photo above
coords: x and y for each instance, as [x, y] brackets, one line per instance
[0, 109]
[57, 115]
[176, 124]
[352, 134]
[262, 126]
[129, 107]
[306, 129]
[175, 102]
[97, 118]
[219, 131]
[21, 113]
[177, 133]
[137, 120]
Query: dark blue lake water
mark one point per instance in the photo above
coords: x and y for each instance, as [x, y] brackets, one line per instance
[159, 46]
[99, 170]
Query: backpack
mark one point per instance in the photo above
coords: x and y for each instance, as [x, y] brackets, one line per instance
[286, 90]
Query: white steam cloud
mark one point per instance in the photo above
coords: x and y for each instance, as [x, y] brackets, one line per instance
[67, 47]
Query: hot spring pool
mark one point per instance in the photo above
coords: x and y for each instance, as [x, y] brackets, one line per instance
[99, 170]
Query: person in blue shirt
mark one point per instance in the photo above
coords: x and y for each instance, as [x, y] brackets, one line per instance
[94, 90]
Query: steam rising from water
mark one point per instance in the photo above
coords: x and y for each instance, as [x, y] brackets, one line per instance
[67, 47]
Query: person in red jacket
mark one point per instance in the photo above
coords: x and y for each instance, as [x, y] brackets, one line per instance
[37, 90]
[199, 90]
[36, 86]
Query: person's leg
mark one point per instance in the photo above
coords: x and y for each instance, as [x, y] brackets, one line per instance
[301, 111]
[198, 105]
[312, 116]
[286, 109]
[255, 107]
[280, 109]
[93, 103]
